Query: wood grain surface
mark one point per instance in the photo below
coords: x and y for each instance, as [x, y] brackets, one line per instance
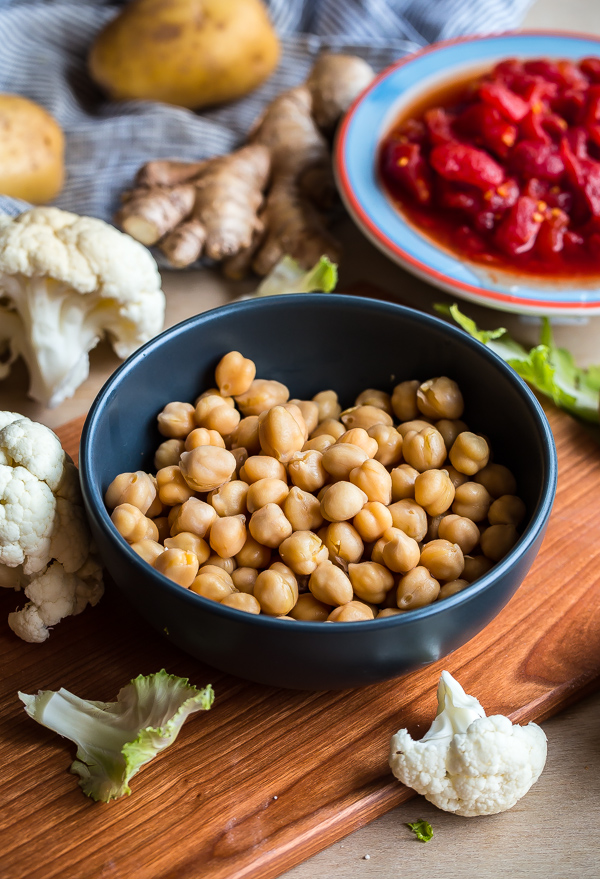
[268, 777]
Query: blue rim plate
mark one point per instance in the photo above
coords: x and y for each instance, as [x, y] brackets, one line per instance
[373, 114]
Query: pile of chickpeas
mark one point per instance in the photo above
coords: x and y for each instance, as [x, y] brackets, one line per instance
[299, 510]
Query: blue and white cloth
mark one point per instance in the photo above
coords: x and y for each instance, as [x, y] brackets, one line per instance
[44, 45]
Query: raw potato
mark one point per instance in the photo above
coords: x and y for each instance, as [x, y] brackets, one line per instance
[193, 53]
[31, 151]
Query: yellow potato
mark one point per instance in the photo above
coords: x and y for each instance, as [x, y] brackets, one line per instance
[192, 53]
[31, 151]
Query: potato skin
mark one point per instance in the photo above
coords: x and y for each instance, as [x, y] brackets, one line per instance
[192, 53]
[31, 151]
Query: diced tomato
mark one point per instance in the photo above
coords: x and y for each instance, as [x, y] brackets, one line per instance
[511, 67]
[537, 189]
[458, 198]
[504, 100]
[439, 125]
[532, 128]
[466, 164]
[584, 174]
[503, 197]
[592, 109]
[404, 164]
[531, 158]
[485, 125]
[551, 237]
[570, 105]
[518, 230]
[414, 131]
[591, 68]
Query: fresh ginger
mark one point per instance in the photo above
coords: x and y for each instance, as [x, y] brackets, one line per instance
[270, 198]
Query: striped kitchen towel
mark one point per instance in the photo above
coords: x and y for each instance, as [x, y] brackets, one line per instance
[44, 45]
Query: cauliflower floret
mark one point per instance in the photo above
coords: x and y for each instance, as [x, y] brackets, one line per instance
[468, 763]
[45, 543]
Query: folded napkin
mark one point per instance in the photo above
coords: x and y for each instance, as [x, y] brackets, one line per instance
[43, 57]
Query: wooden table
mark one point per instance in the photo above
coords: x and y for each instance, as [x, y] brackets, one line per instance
[553, 831]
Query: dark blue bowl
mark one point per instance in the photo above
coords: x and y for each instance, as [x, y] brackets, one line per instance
[313, 342]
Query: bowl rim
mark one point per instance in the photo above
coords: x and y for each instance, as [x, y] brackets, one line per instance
[97, 510]
[500, 298]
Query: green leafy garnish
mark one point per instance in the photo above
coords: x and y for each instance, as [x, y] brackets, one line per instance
[288, 277]
[115, 739]
[547, 368]
[422, 830]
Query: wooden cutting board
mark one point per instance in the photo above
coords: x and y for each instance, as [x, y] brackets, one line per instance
[268, 777]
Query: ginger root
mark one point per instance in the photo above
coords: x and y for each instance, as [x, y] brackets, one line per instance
[273, 197]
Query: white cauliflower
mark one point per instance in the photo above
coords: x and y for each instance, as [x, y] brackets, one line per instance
[65, 282]
[468, 763]
[45, 544]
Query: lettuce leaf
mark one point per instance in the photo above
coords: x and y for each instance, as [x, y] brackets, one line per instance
[547, 368]
[288, 277]
[115, 739]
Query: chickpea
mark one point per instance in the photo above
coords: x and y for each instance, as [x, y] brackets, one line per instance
[370, 581]
[229, 499]
[262, 395]
[455, 477]
[215, 392]
[452, 587]
[403, 482]
[358, 436]
[234, 374]
[507, 510]
[172, 514]
[318, 443]
[372, 521]
[178, 565]
[330, 585]
[372, 478]
[424, 449]
[460, 530]
[364, 416]
[245, 435]
[472, 500]
[434, 491]
[410, 517]
[296, 413]
[269, 526]
[207, 467]
[497, 479]
[443, 559]
[400, 552]
[377, 550]
[215, 561]
[280, 433]
[148, 549]
[310, 610]
[302, 510]
[351, 612]
[241, 456]
[417, 588]
[306, 470]
[213, 584]
[416, 424]
[276, 589]
[228, 535]
[137, 489]
[176, 420]
[342, 501]
[163, 527]
[373, 397]
[253, 554]
[244, 579]
[389, 444]
[338, 460]
[450, 429]
[329, 427]
[193, 515]
[475, 567]
[309, 411]
[156, 508]
[171, 486]
[470, 453]
[404, 400]
[262, 467]
[343, 542]
[131, 524]
[440, 398]
[214, 413]
[241, 601]
[497, 540]
[202, 436]
[266, 491]
[190, 543]
[302, 551]
[389, 612]
[167, 454]
[328, 404]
